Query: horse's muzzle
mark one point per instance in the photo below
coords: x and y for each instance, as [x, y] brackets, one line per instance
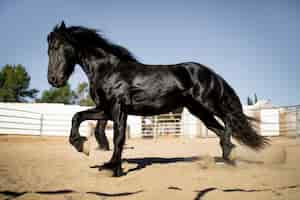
[55, 81]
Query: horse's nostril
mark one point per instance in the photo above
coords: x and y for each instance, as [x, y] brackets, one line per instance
[53, 79]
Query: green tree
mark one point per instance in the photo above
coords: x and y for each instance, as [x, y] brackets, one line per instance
[251, 101]
[57, 95]
[255, 99]
[14, 84]
[82, 96]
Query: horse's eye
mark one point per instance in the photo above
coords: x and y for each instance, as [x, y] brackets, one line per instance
[57, 46]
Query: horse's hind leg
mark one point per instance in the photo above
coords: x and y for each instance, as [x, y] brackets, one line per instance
[101, 136]
[225, 142]
[211, 123]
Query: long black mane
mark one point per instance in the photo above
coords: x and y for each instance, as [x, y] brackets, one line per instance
[90, 39]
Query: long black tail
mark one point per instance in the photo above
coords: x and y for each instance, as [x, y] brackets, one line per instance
[229, 107]
[245, 133]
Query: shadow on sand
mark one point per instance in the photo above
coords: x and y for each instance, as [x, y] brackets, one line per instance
[144, 162]
[147, 161]
[12, 194]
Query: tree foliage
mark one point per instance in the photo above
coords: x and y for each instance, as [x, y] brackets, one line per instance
[82, 96]
[251, 101]
[66, 95]
[57, 95]
[255, 100]
[14, 84]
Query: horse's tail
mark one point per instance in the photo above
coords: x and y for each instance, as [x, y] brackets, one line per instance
[244, 132]
[243, 127]
[229, 108]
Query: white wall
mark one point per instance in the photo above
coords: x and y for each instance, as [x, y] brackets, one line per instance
[50, 119]
[135, 126]
[14, 121]
[190, 124]
[38, 119]
[270, 119]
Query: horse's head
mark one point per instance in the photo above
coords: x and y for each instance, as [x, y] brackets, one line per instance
[62, 56]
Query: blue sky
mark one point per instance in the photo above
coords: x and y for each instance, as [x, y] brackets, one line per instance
[254, 45]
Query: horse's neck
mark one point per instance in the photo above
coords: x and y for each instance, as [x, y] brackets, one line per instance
[86, 66]
[94, 66]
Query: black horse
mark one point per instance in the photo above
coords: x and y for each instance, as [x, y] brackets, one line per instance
[121, 85]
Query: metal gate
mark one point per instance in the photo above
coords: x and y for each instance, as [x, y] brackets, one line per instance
[162, 125]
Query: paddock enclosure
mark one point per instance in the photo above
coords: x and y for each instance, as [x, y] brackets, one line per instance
[165, 159]
[55, 120]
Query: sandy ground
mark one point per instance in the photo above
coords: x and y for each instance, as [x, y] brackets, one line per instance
[166, 168]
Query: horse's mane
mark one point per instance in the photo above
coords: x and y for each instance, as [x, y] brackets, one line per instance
[91, 39]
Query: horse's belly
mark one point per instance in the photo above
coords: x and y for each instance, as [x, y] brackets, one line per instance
[154, 107]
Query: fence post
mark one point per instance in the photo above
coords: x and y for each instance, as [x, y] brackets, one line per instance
[41, 124]
[155, 127]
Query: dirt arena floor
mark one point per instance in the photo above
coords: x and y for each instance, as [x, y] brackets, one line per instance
[166, 168]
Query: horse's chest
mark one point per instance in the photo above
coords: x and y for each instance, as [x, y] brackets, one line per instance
[96, 95]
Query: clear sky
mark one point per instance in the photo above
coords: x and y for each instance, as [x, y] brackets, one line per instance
[254, 45]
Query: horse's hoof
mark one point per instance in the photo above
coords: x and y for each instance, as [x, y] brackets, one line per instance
[116, 175]
[106, 166]
[86, 147]
[230, 162]
[233, 154]
[103, 148]
[118, 172]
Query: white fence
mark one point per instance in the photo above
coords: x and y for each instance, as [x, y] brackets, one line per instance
[38, 119]
[50, 120]
[271, 121]
[14, 121]
[55, 119]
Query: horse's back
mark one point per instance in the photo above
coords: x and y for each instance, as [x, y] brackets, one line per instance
[154, 89]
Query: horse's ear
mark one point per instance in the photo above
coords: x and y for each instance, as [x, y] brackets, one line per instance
[62, 26]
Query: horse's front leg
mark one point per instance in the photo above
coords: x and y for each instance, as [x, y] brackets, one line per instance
[119, 118]
[79, 142]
